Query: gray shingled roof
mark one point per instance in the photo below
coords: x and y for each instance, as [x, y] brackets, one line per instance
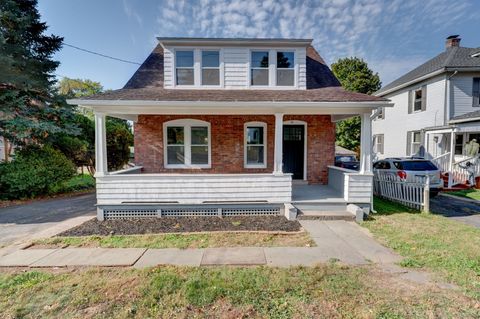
[467, 117]
[147, 84]
[453, 57]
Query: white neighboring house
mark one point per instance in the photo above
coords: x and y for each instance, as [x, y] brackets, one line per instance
[436, 112]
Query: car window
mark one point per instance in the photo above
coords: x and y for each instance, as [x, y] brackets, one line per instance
[345, 158]
[415, 166]
[382, 165]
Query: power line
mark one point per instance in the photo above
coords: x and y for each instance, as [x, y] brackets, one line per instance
[100, 54]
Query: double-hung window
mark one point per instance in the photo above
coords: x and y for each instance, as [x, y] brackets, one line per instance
[414, 140]
[378, 143]
[184, 67]
[285, 68]
[417, 103]
[187, 144]
[259, 68]
[255, 142]
[211, 68]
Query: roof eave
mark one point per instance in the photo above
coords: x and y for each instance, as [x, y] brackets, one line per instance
[181, 41]
[472, 119]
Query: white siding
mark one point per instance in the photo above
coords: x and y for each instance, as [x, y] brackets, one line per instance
[236, 64]
[236, 67]
[462, 86]
[398, 121]
[193, 188]
[358, 188]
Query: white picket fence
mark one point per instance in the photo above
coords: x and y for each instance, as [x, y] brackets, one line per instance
[412, 193]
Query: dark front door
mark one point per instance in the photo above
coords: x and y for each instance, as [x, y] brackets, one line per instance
[293, 150]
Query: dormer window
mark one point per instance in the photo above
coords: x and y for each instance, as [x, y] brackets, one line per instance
[285, 68]
[184, 70]
[211, 68]
[259, 68]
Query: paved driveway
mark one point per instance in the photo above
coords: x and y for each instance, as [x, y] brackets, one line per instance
[463, 211]
[23, 221]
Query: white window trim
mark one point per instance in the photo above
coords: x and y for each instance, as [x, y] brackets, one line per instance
[219, 68]
[272, 69]
[197, 68]
[175, 67]
[414, 100]
[294, 68]
[412, 142]
[255, 124]
[187, 125]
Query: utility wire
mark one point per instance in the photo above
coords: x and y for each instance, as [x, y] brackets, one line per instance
[100, 54]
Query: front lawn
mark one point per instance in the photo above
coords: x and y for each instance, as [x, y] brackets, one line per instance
[204, 240]
[328, 291]
[446, 247]
[468, 193]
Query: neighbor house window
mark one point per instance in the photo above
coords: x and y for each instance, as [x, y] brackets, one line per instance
[459, 144]
[285, 68]
[259, 68]
[378, 143]
[414, 139]
[417, 100]
[187, 144]
[255, 140]
[476, 92]
[210, 68]
[184, 72]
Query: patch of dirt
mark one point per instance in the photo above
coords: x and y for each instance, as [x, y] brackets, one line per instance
[182, 224]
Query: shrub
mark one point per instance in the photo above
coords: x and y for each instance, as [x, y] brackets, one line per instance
[75, 184]
[34, 171]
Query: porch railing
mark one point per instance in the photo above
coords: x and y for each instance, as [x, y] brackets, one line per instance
[460, 174]
[414, 194]
[356, 187]
[442, 162]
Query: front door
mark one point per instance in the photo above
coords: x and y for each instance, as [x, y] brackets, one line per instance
[293, 150]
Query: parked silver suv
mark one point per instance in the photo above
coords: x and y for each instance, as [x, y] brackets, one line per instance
[410, 168]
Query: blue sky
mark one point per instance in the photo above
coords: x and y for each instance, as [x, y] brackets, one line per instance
[393, 36]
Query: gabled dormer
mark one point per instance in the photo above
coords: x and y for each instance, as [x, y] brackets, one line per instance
[205, 63]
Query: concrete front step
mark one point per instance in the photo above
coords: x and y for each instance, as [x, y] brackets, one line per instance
[325, 215]
[326, 206]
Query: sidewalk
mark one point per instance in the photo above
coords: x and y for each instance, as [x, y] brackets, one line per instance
[336, 240]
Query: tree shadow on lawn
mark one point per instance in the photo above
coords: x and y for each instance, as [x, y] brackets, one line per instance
[385, 207]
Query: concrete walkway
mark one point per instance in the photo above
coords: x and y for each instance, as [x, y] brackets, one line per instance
[44, 218]
[467, 212]
[336, 240]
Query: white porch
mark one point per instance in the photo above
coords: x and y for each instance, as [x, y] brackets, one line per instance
[135, 189]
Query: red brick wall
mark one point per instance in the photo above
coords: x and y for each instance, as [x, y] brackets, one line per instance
[227, 143]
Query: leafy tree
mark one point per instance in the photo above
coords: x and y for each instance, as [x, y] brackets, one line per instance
[81, 148]
[31, 109]
[354, 75]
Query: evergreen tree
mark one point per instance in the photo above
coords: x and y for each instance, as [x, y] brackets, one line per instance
[30, 108]
[354, 75]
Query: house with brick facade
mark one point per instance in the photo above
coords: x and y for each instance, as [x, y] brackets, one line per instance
[229, 127]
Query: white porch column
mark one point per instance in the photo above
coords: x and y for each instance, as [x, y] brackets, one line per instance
[100, 145]
[278, 160]
[451, 159]
[366, 144]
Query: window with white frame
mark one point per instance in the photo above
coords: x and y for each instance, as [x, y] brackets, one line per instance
[187, 144]
[285, 68]
[259, 68]
[184, 67]
[378, 142]
[415, 142]
[417, 102]
[211, 68]
[255, 142]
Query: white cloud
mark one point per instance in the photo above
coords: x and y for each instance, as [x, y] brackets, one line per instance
[371, 29]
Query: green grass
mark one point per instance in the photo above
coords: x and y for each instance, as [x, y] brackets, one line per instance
[182, 241]
[328, 291]
[468, 193]
[77, 183]
[448, 248]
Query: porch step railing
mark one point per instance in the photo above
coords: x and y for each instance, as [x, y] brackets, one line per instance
[442, 162]
[460, 172]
